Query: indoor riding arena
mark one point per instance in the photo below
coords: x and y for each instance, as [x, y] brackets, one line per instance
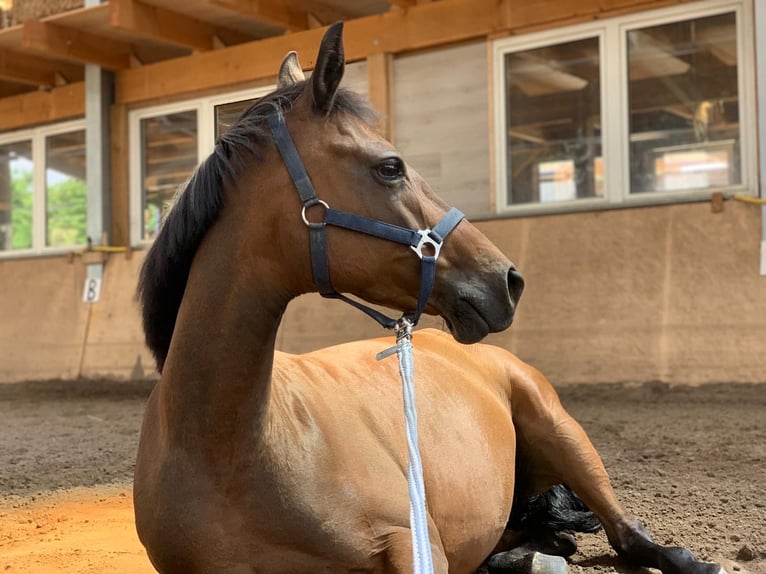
[613, 150]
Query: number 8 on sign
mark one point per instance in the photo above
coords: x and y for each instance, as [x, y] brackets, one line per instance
[92, 290]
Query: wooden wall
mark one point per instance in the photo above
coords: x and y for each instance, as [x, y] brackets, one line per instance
[668, 293]
[441, 121]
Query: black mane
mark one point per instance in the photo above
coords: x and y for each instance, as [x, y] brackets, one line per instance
[165, 270]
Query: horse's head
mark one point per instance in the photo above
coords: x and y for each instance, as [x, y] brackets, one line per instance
[356, 171]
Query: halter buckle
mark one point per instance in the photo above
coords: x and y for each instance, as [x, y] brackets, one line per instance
[426, 239]
[312, 203]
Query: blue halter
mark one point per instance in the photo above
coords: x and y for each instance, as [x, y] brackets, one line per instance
[415, 239]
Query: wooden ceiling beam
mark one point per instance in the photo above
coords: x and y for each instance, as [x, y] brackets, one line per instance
[74, 45]
[273, 12]
[28, 69]
[164, 25]
[42, 107]
[395, 31]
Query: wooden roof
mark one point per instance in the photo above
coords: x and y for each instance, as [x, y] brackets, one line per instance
[122, 34]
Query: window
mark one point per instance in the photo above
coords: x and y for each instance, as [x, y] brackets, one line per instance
[43, 191]
[168, 157]
[227, 114]
[553, 119]
[683, 105]
[167, 143]
[16, 195]
[646, 108]
[66, 202]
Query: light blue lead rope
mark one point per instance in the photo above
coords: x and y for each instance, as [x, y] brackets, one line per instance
[421, 544]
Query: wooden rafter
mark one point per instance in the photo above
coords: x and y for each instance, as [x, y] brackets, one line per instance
[157, 23]
[74, 45]
[42, 106]
[273, 12]
[28, 69]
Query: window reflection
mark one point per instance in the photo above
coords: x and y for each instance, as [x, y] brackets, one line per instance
[169, 156]
[66, 202]
[554, 123]
[684, 118]
[227, 114]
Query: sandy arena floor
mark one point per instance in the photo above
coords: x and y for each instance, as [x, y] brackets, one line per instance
[690, 462]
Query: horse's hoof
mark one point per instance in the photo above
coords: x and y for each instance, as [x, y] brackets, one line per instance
[521, 561]
[547, 564]
[556, 543]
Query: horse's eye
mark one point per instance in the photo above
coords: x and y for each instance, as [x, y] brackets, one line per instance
[390, 170]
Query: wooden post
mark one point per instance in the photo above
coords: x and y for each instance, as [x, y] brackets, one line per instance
[120, 162]
[380, 78]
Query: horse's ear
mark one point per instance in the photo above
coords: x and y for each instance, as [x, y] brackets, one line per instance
[290, 71]
[329, 69]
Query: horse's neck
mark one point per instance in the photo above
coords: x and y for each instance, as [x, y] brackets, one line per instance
[218, 371]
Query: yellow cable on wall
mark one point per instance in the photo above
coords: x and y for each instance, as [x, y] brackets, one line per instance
[749, 199]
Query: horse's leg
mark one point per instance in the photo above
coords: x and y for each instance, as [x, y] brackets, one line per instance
[398, 553]
[555, 449]
[531, 552]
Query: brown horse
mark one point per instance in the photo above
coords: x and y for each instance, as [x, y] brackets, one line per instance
[252, 460]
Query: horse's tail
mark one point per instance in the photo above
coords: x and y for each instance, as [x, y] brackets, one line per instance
[556, 509]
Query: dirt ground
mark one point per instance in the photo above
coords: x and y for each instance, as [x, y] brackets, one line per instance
[690, 461]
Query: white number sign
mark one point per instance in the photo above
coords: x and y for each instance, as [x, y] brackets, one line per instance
[92, 290]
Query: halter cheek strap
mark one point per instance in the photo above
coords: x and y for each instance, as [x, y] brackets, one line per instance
[417, 240]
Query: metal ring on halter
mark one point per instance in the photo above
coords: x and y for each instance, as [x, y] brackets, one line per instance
[426, 239]
[312, 204]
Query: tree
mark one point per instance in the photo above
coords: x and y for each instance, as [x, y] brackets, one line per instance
[67, 213]
[21, 208]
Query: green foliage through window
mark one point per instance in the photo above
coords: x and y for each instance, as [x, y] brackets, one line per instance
[21, 208]
[67, 213]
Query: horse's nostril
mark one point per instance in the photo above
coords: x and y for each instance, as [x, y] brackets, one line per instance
[515, 285]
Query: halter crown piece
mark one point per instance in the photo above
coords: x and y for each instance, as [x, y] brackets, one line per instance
[415, 239]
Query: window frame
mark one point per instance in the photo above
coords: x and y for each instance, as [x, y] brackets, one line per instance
[37, 136]
[615, 134]
[205, 110]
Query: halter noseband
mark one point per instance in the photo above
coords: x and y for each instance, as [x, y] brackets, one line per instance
[416, 239]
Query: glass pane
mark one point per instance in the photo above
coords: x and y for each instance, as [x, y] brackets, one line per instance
[66, 202]
[227, 114]
[684, 106]
[16, 195]
[554, 123]
[168, 158]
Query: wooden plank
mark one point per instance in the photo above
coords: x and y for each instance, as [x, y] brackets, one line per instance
[33, 70]
[379, 77]
[75, 45]
[272, 12]
[120, 167]
[439, 96]
[491, 127]
[401, 3]
[161, 24]
[41, 107]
